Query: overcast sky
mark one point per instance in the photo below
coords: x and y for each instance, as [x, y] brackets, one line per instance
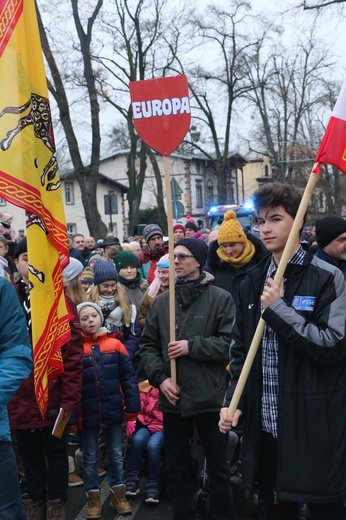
[331, 22]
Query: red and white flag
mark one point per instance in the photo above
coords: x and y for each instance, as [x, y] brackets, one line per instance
[332, 149]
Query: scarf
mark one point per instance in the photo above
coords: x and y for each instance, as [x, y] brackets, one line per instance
[240, 261]
[114, 315]
[187, 291]
[126, 281]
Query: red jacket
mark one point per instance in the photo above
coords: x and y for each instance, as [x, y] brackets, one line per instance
[64, 392]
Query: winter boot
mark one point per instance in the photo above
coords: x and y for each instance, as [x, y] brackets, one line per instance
[55, 510]
[73, 478]
[132, 484]
[78, 457]
[118, 500]
[94, 505]
[35, 509]
[152, 495]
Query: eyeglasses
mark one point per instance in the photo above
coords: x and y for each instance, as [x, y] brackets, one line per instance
[181, 258]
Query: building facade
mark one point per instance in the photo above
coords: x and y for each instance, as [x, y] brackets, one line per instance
[111, 196]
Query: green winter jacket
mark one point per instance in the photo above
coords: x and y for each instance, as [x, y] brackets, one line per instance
[204, 316]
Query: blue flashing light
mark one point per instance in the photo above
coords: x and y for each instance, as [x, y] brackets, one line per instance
[249, 205]
[213, 209]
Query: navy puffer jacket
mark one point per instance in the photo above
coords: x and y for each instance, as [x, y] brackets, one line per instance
[109, 383]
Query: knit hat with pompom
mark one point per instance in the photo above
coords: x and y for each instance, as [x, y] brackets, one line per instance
[230, 230]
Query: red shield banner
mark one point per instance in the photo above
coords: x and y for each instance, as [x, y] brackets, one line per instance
[161, 111]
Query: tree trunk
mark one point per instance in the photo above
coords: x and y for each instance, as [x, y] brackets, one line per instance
[159, 194]
[136, 181]
[87, 176]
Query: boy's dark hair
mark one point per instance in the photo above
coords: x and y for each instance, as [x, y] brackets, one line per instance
[21, 247]
[276, 194]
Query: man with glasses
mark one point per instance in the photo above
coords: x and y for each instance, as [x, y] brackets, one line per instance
[203, 325]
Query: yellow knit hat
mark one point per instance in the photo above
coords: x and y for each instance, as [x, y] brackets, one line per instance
[230, 230]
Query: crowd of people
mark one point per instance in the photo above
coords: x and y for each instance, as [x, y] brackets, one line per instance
[122, 397]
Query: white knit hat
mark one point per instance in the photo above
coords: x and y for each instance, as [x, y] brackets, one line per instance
[73, 269]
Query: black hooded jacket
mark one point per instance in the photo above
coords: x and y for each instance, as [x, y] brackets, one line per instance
[225, 275]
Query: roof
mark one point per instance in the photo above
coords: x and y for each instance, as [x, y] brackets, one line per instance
[104, 179]
[197, 157]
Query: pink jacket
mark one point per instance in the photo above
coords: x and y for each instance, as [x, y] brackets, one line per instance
[150, 415]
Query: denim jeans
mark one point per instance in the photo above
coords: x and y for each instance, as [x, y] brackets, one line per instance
[90, 442]
[11, 507]
[45, 463]
[152, 442]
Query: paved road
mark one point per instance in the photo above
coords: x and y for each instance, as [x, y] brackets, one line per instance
[76, 504]
[76, 508]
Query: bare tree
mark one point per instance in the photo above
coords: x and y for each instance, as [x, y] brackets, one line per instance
[289, 89]
[218, 86]
[144, 44]
[87, 175]
[321, 4]
[291, 93]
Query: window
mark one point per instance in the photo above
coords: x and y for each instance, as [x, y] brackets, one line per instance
[210, 192]
[2, 202]
[199, 194]
[71, 228]
[69, 193]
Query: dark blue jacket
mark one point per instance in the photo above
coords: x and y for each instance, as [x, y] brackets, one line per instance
[109, 382]
[327, 258]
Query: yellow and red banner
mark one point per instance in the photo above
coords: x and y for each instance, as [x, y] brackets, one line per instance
[29, 178]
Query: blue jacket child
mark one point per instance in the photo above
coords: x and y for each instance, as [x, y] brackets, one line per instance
[109, 384]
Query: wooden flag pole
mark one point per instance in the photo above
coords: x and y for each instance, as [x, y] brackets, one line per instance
[171, 265]
[278, 278]
[163, 130]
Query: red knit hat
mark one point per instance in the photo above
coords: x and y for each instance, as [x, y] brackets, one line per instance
[179, 226]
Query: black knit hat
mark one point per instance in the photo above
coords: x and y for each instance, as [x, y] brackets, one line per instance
[328, 228]
[104, 271]
[21, 247]
[191, 225]
[198, 248]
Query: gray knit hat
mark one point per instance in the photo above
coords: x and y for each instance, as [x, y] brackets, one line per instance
[150, 231]
[96, 257]
[91, 304]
